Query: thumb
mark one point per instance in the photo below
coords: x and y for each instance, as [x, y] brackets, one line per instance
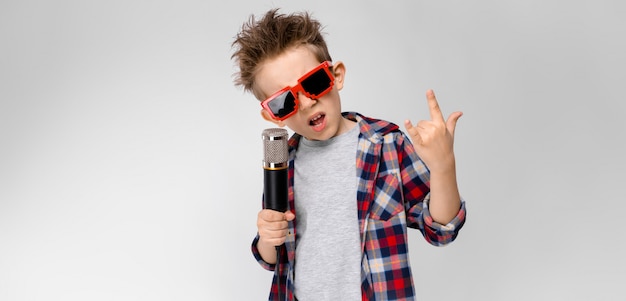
[289, 216]
[452, 120]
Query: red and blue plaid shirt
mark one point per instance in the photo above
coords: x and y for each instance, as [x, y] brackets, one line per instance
[393, 194]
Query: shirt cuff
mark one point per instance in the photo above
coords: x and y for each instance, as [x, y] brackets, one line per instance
[444, 234]
[259, 259]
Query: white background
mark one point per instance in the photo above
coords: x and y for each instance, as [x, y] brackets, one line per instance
[130, 166]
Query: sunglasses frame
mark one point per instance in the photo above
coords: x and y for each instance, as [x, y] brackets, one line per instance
[326, 65]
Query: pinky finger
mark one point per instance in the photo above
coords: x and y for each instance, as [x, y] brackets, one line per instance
[413, 132]
[409, 127]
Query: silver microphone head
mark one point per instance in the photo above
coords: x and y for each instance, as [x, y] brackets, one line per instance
[275, 148]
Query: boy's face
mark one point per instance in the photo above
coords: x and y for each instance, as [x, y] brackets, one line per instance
[316, 119]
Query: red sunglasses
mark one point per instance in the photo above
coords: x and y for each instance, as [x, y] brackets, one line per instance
[314, 84]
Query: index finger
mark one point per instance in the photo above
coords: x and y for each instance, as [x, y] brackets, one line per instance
[272, 215]
[433, 105]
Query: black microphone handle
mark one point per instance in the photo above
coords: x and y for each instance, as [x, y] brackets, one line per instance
[275, 189]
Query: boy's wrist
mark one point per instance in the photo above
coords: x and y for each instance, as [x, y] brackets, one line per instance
[443, 167]
[266, 250]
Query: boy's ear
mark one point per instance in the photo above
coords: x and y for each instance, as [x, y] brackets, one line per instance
[339, 72]
[269, 118]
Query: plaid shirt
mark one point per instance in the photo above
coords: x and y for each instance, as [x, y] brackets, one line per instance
[393, 194]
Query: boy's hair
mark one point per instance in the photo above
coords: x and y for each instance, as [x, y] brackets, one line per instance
[271, 36]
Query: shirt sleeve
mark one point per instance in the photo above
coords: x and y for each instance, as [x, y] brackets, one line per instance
[259, 259]
[438, 234]
[416, 189]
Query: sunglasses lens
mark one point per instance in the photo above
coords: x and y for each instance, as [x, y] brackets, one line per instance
[316, 83]
[282, 105]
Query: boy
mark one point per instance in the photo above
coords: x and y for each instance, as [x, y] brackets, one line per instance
[355, 183]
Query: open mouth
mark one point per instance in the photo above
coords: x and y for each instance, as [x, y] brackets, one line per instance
[317, 120]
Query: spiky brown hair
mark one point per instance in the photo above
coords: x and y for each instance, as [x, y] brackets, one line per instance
[271, 36]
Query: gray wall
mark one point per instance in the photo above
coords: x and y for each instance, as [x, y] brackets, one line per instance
[130, 166]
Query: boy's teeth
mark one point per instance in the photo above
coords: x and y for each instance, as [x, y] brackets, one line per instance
[315, 119]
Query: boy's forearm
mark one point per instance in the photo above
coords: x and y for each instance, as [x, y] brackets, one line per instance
[445, 199]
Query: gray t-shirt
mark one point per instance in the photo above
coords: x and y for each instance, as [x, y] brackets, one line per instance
[328, 247]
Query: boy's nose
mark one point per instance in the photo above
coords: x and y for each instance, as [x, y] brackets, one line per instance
[305, 102]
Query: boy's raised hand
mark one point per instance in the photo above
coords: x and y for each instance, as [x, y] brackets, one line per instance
[433, 139]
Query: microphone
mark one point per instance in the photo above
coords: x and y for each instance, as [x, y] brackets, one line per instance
[275, 169]
[275, 175]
